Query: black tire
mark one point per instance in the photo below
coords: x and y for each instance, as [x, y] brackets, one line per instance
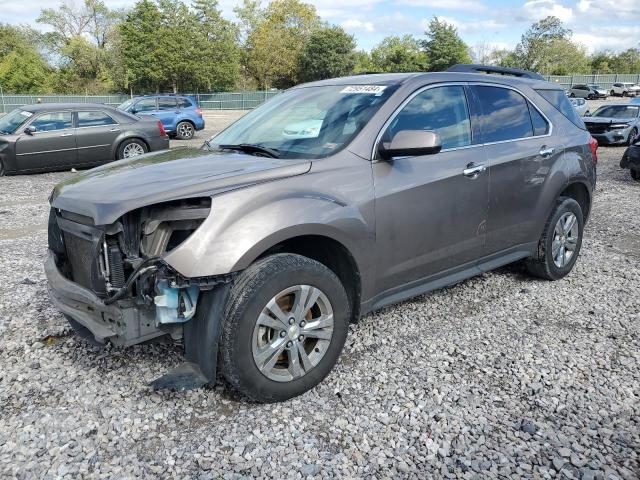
[590, 97]
[633, 135]
[254, 288]
[635, 174]
[126, 144]
[572, 95]
[613, 93]
[185, 130]
[543, 265]
[1, 169]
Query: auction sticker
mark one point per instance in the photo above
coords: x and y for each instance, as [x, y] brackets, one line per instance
[370, 89]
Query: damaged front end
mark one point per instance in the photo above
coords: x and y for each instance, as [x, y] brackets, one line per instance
[113, 280]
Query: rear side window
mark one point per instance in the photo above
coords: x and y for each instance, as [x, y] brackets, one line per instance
[94, 119]
[167, 104]
[184, 103]
[441, 109]
[559, 100]
[505, 114]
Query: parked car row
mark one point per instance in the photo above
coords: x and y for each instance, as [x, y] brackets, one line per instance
[46, 137]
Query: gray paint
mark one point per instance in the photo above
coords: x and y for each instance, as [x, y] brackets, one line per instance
[411, 224]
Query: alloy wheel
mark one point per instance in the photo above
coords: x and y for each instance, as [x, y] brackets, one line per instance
[185, 130]
[132, 150]
[292, 333]
[565, 239]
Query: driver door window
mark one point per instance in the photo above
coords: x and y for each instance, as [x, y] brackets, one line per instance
[146, 105]
[442, 110]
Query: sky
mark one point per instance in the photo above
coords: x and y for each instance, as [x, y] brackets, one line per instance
[597, 24]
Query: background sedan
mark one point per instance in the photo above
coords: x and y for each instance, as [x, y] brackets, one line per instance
[48, 137]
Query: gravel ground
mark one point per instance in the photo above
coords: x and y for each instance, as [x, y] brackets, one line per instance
[499, 376]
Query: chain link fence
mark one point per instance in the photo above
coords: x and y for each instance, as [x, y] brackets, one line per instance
[207, 101]
[249, 100]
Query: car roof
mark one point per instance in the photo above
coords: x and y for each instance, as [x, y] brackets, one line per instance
[47, 107]
[389, 79]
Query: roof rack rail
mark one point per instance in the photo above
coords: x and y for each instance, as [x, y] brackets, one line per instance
[477, 68]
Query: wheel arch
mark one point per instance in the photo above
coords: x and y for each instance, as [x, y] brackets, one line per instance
[114, 153]
[580, 193]
[330, 252]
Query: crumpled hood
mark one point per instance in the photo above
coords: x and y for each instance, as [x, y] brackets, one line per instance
[601, 120]
[108, 192]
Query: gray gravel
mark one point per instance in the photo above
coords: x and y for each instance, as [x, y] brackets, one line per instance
[500, 376]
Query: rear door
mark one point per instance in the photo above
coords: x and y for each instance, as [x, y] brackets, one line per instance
[51, 145]
[520, 148]
[96, 131]
[167, 112]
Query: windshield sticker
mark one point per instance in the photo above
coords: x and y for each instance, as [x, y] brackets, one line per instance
[369, 89]
[26, 114]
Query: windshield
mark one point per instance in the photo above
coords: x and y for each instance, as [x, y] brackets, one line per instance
[125, 105]
[10, 122]
[311, 122]
[617, 111]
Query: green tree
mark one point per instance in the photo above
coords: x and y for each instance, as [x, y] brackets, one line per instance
[276, 43]
[328, 53]
[534, 49]
[627, 61]
[141, 47]
[22, 68]
[444, 47]
[602, 62]
[218, 67]
[398, 54]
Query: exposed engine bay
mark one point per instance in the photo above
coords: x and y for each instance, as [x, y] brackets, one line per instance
[122, 263]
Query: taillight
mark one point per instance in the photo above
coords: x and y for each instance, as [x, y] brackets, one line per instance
[593, 145]
[199, 111]
[163, 133]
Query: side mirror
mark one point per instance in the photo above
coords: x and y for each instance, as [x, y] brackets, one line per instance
[411, 143]
[30, 130]
[133, 111]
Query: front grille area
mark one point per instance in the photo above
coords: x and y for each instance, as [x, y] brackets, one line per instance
[598, 128]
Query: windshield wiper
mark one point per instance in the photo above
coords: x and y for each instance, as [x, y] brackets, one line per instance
[251, 148]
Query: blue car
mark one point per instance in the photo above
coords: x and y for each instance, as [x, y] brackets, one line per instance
[180, 115]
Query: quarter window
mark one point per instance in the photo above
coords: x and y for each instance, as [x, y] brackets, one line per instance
[441, 109]
[540, 124]
[505, 114]
[184, 103]
[94, 119]
[52, 121]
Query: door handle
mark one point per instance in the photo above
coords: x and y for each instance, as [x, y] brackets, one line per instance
[546, 152]
[473, 170]
[114, 129]
[66, 134]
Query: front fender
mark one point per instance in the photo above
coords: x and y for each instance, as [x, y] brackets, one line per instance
[244, 224]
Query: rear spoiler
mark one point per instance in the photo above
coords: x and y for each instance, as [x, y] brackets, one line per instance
[490, 69]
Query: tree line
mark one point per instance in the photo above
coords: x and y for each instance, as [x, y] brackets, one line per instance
[172, 45]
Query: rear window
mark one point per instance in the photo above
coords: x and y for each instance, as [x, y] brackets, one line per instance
[559, 100]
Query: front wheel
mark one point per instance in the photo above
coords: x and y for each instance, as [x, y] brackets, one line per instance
[2, 172]
[131, 148]
[284, 327]
[560, 242]
[185, 131]
[635, 174]
[612, 93]
[633, 136]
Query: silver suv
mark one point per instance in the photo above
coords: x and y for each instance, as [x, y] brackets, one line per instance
[257, 250]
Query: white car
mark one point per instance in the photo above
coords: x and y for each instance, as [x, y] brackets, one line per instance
[625, 89]
[581, 106]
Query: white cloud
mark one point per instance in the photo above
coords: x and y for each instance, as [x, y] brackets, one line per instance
[355, 25]
[535, 10]
[615, 38]
[623, 9]
[486, 25]
[461, 5]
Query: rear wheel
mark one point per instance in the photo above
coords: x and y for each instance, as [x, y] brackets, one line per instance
[185, 131]
[635, 174]
[560, 243]
[284, 327]
[573, 95]
[131, 148]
